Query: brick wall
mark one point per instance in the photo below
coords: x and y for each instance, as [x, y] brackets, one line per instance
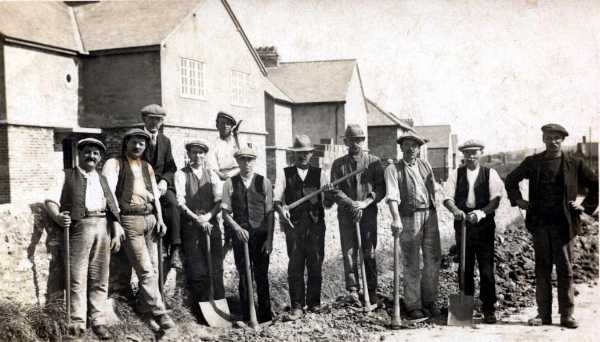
[33, 163]
[382, 142]
[438, 158]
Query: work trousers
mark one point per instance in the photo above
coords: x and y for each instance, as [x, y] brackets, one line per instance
[140, 250]
[305, 249]
[349, 243]
[259, 266]
[420, 233]
[196, 261]
[480, 247]
[172, 218]
[552, 247]
[89, 257]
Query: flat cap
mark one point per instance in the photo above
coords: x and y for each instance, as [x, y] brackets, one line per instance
[302, 143]
[153, 110]
[354, 131]
[136, 132]
[410, 135]
[552, 127]
[245, 151]
[198, 143]
[226, 116]
[471, 145]
[91, 141]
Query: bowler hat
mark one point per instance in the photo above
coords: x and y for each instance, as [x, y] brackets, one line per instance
[302, 143]
[471, 145]
[245, 151]
[91, 141]
[199, 143]
[354, 131]
[410, 135]
[226, 116]
[552, 127]
[153, 110]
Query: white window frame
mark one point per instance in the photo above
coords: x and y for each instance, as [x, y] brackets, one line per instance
[192, 79]
[241, 85]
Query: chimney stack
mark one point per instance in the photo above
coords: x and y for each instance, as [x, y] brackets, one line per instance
[269, 56]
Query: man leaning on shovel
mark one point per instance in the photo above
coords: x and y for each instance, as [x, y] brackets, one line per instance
[304, 227]
[87, 207]
[410, 188]
[473, 194]
[199, 196]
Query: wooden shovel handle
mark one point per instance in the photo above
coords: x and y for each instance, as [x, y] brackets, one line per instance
[253, 320]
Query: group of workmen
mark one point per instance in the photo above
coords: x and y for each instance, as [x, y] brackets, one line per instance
[141, 196]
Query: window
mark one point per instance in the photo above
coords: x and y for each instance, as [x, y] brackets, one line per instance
[192, 79]
[240, 88]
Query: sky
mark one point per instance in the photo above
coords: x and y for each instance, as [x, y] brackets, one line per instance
[494, 70]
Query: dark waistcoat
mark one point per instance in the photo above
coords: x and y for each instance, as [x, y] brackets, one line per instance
[124, 188]
[248, 205]
[295, 189]
[74, 191]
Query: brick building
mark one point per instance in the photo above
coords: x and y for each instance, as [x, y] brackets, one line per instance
[68, 70]
[384, 129]
[441, 149]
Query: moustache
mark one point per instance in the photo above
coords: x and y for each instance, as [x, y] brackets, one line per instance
[91, 159]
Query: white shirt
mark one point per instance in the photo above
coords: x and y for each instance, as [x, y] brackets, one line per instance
[181, 180]
[94, 195]
[220, 156]
[140, 195]
[280, 183]
[393, 191]
[496, 186]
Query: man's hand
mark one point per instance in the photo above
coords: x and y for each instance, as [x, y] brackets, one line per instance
[396, 226]
[64, 219]
[459, 215]
[475, 216]
[161, 228]
[242, 234]
[162, 187]
[118, 236]
[285, 217]
[576, 206]
[356, 214]
[206, 227]
[267, 247]
[328, 187]
[523, 204]
[472, 218]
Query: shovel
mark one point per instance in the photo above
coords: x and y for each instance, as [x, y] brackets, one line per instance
[460, 306]
[215, 312]
[396, 320]
[253, 320]
[361, 259]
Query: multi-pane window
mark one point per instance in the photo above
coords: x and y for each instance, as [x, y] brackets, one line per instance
[240, 88]
[192, 83]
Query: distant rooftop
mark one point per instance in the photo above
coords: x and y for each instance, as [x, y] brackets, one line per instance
[379, 117]
[438, 135]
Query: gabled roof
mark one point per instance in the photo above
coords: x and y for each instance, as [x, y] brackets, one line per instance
[379, 117]
[438, 135]
[314, 81]
[124, 24]
[48, 23]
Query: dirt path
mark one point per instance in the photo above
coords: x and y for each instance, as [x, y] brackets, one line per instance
[515, 328]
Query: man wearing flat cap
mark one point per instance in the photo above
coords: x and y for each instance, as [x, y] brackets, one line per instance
[357, 199]
[88, 208]
[410, 185]
[133, 182]
[555, 180]
[158, 153]
[199, 196]
[472, 194]
[304, 226]
[247, 204]
[221, 157]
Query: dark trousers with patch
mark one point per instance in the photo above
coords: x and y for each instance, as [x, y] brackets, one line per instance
[171, 214]
[305, 248]
[196, 261]
[259, 266]
[480, 247]
[552, 247]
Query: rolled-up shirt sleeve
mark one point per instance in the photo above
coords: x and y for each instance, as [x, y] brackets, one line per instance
[226, 195]
[268, 195]
[217, 185]
[279, 189]
[55, 193]
[180, 187]
[110, 170]
[391, 184]
[450, 186]
[496, 185]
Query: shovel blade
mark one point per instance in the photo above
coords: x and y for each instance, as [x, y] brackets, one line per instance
[216, 313]
[460, 310]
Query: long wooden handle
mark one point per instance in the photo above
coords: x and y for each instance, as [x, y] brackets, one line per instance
[323, 188]
[253, 320]
[361, 260]
[463, 253]
[161, 275]
[396, 320]
[211, 292]
[67, 257]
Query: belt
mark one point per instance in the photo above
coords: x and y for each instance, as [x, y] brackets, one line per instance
[95, 213]
[139, 210]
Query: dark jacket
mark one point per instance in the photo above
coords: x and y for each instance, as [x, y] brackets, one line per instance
[369, 183]
[162, 160]
[576, 176]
